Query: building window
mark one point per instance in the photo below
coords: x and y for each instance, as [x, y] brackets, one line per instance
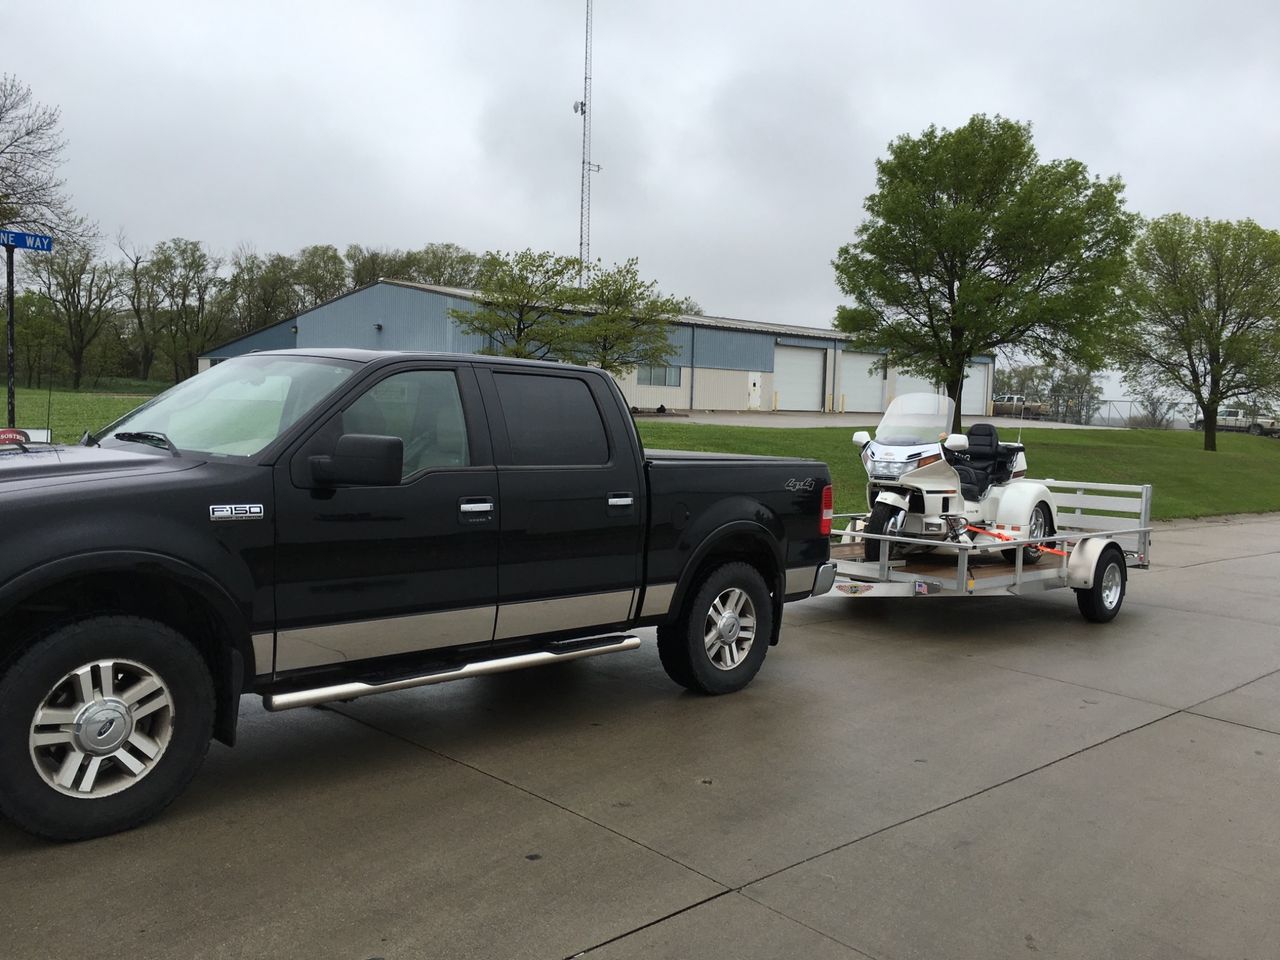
[658, 376]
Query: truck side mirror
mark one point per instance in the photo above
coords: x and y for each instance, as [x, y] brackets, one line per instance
[361, 459]
[956, 442]
[861, 438]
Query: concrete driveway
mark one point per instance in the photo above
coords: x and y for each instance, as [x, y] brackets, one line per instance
[982, 778]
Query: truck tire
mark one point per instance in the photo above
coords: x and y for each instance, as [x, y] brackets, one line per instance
[878, 522]
[103, 722]
[1255, 429]
[719, 641]
[1039, 524]
[1101, 602]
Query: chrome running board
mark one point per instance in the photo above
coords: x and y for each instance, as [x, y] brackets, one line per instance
[618, 643]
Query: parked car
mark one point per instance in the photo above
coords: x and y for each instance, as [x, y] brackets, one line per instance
[310, 526]
[1238, 418]
[1016, 405]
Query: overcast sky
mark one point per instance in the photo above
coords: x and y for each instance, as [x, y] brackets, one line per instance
[737, 139]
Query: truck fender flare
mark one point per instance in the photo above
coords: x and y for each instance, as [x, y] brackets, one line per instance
[717, 536]
[48, 574]
[1017, 500]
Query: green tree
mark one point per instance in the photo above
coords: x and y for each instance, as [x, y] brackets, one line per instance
[528, 304]
[972, 244]
[628, 320]
[84, 294]
[320, 274]
[31, 145]
[260, 291]
[188, 279]
[445, 264]
[1073, 394]
[368, 265]
[1204, 297]
[36, 333]
[142, 328]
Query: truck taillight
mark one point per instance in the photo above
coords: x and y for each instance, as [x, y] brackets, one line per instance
[828, 510]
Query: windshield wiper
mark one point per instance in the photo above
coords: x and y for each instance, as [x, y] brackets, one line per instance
[87, 439]
[152, 438]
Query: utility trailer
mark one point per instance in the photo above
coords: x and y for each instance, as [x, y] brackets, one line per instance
[1103, 530]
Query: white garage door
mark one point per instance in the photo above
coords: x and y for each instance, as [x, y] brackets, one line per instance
[862, 386]
[798, 378]
[909, 384]
[974, 398]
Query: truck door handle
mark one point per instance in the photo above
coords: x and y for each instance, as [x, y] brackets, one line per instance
[475, 509]
[621, 500]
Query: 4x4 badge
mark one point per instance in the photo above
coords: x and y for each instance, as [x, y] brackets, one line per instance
[796, 484]
[236, 511]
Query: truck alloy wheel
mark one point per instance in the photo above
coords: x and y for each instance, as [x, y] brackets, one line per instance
[730, 628]
[103, 721]
[719, 640]
[103, 727]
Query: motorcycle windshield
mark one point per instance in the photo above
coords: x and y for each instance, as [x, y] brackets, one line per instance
[915, 418]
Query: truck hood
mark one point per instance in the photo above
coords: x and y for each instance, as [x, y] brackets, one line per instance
[19, 468]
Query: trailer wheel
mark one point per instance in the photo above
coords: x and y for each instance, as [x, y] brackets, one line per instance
[718, 642]
[881, 521]
[103, 722]
[1101, 602]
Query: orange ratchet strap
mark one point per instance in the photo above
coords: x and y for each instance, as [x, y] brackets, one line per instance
[1005, 536]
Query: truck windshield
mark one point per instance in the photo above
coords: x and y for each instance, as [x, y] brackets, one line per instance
[234, 408]
[915, 418]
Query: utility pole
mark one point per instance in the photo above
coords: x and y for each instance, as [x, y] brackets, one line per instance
[583, 107]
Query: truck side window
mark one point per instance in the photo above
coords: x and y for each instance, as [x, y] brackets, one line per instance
[551, 421]
[421, 407]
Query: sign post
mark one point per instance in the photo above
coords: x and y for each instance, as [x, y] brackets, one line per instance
[11, 240]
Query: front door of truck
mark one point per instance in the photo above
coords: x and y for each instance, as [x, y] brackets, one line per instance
[377, 571]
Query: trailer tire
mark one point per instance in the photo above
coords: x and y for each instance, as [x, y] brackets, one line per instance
[1101, 602]
[703, 649]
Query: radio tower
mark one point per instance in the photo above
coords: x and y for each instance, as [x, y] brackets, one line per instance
[583, 107]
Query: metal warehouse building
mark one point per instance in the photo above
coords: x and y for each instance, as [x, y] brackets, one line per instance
[718, 363]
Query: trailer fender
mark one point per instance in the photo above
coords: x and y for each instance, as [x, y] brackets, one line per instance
[894, 499]
[1084, 561]
[1017, 501]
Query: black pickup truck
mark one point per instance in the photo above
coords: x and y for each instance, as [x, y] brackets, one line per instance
[312, 526]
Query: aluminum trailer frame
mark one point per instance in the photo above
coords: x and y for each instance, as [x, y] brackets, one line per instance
[1082, 535]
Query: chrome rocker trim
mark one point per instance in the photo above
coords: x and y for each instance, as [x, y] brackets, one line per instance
[350, 691]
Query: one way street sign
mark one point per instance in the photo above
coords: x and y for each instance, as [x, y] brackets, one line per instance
[25, 241]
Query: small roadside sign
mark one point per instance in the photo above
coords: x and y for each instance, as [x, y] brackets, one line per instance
[26, 241]
[13, 240]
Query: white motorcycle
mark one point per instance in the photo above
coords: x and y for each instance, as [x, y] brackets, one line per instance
[926, 483]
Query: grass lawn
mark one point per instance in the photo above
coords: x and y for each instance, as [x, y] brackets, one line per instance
[1243, 476]
[69, 412]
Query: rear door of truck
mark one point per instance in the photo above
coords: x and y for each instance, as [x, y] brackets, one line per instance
[572, 504]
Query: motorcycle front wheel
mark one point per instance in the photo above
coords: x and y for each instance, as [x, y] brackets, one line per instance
[885, 519]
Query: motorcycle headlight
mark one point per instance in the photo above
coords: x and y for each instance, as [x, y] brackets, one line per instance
[888, 468]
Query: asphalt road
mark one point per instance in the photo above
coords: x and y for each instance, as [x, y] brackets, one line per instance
[947, 778]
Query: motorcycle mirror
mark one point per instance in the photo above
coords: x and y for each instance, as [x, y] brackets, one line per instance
[956, 442]
[862, 438]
